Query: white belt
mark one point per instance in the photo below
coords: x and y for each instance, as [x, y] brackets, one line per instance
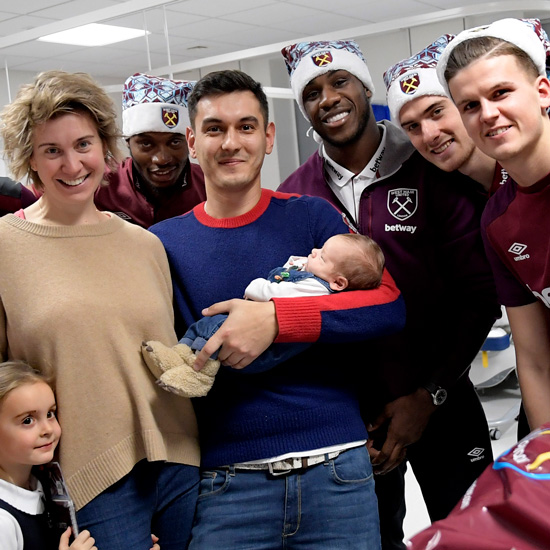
[281, 467]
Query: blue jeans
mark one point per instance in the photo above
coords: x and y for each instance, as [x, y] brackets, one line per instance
[331, 505]
[155, 497]
[200, 332]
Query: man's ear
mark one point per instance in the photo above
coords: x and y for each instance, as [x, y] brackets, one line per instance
[190, 137]
[339, 283]
[543, 89]
[270, 137]
[368, 92]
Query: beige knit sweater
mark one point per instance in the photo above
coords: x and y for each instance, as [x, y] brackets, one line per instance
[78, 301]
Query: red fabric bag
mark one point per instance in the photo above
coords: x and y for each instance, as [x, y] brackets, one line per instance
[506, 508]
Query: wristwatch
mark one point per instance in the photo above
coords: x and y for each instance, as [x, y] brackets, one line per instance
[439, 394]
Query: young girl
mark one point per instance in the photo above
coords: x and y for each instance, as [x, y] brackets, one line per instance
[29, 433]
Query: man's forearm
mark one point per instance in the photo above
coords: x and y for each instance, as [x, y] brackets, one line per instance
[342, 317]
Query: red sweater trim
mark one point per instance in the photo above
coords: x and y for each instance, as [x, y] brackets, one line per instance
[238, 221]
[300, 320]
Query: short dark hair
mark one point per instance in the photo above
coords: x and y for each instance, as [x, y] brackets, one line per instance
[486, 46]
[225, 82]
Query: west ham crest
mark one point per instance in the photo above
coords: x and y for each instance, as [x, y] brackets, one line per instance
[402, 203]
[170, 117]
[322, 58]
[410, 84]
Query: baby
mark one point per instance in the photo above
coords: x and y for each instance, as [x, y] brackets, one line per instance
[346, 262]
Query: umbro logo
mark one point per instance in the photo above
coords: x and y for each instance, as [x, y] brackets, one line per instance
[518, 249]
[476, 454]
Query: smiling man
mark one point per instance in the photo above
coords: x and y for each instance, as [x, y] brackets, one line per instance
[419, 104]
[496, 75]
[158, 181]
[283, 451]
[427, 223]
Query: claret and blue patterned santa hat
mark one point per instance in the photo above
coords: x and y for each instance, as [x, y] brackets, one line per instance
[527, 34]
[308, 60]
[415, 77]
[154, 104]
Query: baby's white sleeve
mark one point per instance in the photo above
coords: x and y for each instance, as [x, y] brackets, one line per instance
[262, 290]
[259, 290]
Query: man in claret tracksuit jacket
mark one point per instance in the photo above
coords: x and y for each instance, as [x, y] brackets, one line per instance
[427, 224]
[157, 181]
[497, 75]
[283, 451]
[14, 196]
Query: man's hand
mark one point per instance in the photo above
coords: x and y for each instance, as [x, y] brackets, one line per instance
[407, 418]
[249, 330]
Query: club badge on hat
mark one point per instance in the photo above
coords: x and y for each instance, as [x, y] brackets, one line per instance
[415, 77]
[308, 60]
[170, 117]
[409, 84]
[154, 104]
[322, 58]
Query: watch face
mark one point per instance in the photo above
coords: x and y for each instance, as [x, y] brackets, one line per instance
[439, 396]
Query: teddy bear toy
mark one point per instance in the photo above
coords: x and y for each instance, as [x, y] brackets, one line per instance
[173, 368]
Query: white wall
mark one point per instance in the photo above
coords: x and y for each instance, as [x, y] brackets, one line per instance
[16, 79]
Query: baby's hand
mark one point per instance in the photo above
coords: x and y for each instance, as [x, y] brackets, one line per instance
[84, 541]
[155, 540]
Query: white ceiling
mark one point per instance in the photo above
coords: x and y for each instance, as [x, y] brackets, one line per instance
[200, 29]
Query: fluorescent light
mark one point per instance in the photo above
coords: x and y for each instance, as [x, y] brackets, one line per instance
[93, 34]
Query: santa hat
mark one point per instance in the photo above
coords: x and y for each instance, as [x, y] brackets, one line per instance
[415, 77]
[527, 34]
[308, 60]
[154, 104]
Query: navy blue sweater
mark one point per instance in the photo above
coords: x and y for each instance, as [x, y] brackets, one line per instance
[309, 401]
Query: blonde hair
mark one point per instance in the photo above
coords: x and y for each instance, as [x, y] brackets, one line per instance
[50, 94]
[364, 270]
[14, 374]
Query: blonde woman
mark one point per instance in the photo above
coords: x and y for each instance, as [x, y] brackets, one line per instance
[79, 291]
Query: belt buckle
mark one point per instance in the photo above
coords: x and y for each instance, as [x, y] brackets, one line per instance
[294, 463]
[297, 463]
[275, 473]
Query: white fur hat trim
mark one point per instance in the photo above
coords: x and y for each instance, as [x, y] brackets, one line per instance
[311, 67]
[519, 32]
[410, 85]
[154, 117]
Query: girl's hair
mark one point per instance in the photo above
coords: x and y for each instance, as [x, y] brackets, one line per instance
[486, 46]
[51, 94]
[14, 374]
